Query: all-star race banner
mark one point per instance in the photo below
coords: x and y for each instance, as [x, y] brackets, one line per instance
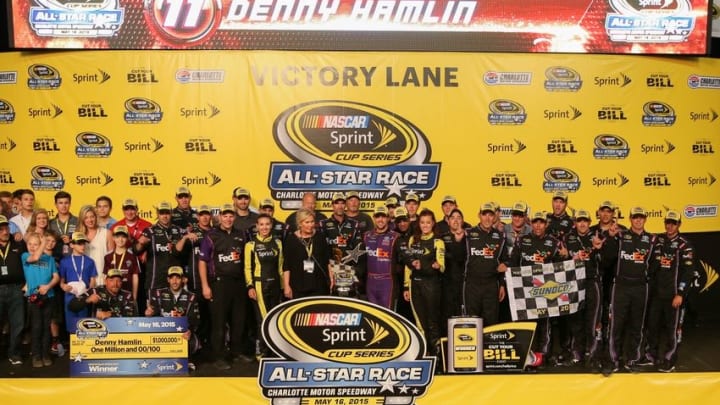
[482, 127]
[590, 26]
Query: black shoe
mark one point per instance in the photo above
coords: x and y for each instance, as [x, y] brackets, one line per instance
[631, 367]
[666, 367]
[645, 361]
[243, 358]
[610, 367]
[222, 364]
[595, 366]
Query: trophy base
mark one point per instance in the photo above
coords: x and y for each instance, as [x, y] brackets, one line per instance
[348, 292]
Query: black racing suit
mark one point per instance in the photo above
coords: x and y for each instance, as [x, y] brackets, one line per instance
[400, 254]
[183, 219]
[263, 273]
[529, 250]
[162, 253]
[425, 285]
[586, 324]
[120, 305]
[559, 226]
[629, 297]
[672, 276]
[223, 252]
[165, 303]
[485, 252]
[243, 223]
[452, 278]
[365, 223]
[607, 275]
[193, 284]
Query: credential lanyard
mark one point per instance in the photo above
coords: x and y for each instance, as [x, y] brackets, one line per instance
[122, 260]
[308, 247]
[5, 253]
[67, 224]
[82, 266]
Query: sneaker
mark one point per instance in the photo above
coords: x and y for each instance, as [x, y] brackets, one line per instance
[191, 367]
[536, 359]
[37, 362]
[666, 367]
[222, 364]
[47, 361]
[54, 347]
[646, 361]
[15, 360]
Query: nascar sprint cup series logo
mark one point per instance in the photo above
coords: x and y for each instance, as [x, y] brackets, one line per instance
[76, 18]
[560, 179]
[342, 351]
[46, 178]
[650, 21]
[343, 145]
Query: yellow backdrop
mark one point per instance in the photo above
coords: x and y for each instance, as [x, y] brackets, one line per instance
[502, 127]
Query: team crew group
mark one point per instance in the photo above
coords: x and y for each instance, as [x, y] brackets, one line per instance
[225, 272]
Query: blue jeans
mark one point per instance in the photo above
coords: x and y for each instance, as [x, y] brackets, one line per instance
[12, 300]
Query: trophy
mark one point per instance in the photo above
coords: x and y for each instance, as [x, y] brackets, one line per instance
[345, 278]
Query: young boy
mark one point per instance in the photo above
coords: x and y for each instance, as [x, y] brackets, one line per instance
[64, 222]
[76, 270]
[40, 278]
[56, 311]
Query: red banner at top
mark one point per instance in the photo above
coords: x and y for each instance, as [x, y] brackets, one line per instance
[592, 26]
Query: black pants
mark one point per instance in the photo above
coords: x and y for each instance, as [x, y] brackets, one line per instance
[627, 315]
[663, 323]
[426, 300]
[268, 297]
[40, 329]
[586, 324]
[480, 298]
[228, 307]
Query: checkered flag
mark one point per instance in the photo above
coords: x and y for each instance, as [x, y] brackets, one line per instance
[545, 290]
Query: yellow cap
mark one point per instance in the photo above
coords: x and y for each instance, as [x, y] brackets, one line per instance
[78, 237]
[540, 215]
[561, 195]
